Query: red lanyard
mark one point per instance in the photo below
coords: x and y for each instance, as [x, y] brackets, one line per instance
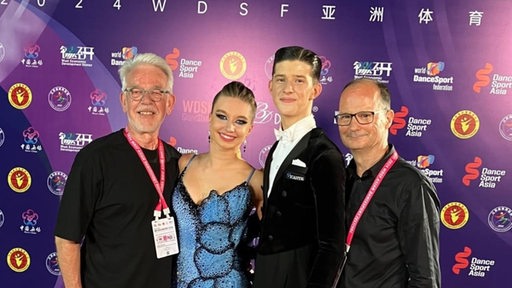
[375, 185]
[159, 186]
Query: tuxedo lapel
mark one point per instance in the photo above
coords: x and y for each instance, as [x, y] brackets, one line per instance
[294, 154]
[266, 172]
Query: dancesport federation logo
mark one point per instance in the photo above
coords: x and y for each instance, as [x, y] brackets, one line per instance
[19, 179]
[233, 65]
[500, 219]
[454, 215]
[18, 259]
[20, 96]
[465, 124]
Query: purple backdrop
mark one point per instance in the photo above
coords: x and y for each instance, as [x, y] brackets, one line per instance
[447, 64]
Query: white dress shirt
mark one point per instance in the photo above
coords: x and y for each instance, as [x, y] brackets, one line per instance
[287, 140]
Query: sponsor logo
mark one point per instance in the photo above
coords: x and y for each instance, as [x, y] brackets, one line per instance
[477, 267]
[2, 51]
[380, 71]
[415, 126]
[454, 215]
[423, 162]
[52, 264]
[118, 58]
[31, 141]
[18, 259]
[56, 182]
[80, 56]
[499, 84]
[20, 96]
[73, 142]
[98, 103]
[325, 78]
[268, 67]
[19, 179]
[29, 226]
[2, 218]
[187, 67]
[488, 177]
[233, 65]
[505, 127]
[31, 59]
[500, 219]
[465, 124]
[430, 74]
[59, 98]
[265, 115]
[2, 137]
[195, 110]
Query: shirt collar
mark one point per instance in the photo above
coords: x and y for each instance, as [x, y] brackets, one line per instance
[297, 130]
[374, 170]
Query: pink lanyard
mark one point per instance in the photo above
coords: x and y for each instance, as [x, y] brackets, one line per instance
[159, 186]
[375, 185]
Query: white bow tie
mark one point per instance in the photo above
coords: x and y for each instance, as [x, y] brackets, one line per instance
[285, 135]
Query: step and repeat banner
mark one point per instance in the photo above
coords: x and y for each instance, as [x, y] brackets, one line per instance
[447, 64]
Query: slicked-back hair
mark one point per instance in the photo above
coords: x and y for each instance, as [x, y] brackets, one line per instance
[299, 53]
[149, 59]
[237, 90]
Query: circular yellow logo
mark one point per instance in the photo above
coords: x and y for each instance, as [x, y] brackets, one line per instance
[20, 96]
[233, 65]
[19, 179]
[465, 124]
[18, 259]
[454, 215]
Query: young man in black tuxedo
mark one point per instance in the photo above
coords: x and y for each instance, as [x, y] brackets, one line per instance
[302, 230]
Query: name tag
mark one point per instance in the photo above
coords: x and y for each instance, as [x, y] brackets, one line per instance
[164, 234]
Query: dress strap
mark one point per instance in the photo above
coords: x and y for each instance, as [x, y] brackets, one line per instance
[250, 175]
[188, 163]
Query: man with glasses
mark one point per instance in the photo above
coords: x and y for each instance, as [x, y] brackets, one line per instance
[392, 208]
[114, 227]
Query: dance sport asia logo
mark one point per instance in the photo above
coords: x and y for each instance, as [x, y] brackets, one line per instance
[73, 142]
[187, 68]
[18, 259]
[56, 182]
[59, 98]
[372, 70]
[20, 96]
[500, 84]
[465, 124]
[31, 59]
[31, 141]
[415, 126]
[454, 215]
[81, 56]
[98, 105]
[52, 264]
[127, 53]
[500, 219]
[29, 226]
[505, 127]
[423, 162]
[430, 74]
[478, 268]
[488, 177]
[233, 65]
[19, 179]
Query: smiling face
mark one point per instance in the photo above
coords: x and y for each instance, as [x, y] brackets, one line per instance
[146, 116]
[293, 90]
[372, 137]
[230, 122]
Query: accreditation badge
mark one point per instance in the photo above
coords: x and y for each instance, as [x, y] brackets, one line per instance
[164, 234]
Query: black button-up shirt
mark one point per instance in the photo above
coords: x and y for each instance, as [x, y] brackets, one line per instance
[396, 243]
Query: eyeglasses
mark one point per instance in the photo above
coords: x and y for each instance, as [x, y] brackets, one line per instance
[155, 95]
[362, 117]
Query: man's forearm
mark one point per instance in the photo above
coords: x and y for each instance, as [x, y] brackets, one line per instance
[68, 255]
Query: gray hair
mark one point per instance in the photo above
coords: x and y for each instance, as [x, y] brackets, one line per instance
[145, 58]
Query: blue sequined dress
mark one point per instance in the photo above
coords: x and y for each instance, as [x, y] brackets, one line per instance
[209, 234]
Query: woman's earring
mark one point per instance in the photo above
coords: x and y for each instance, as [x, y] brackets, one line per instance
[208, 136]
[245, 145]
